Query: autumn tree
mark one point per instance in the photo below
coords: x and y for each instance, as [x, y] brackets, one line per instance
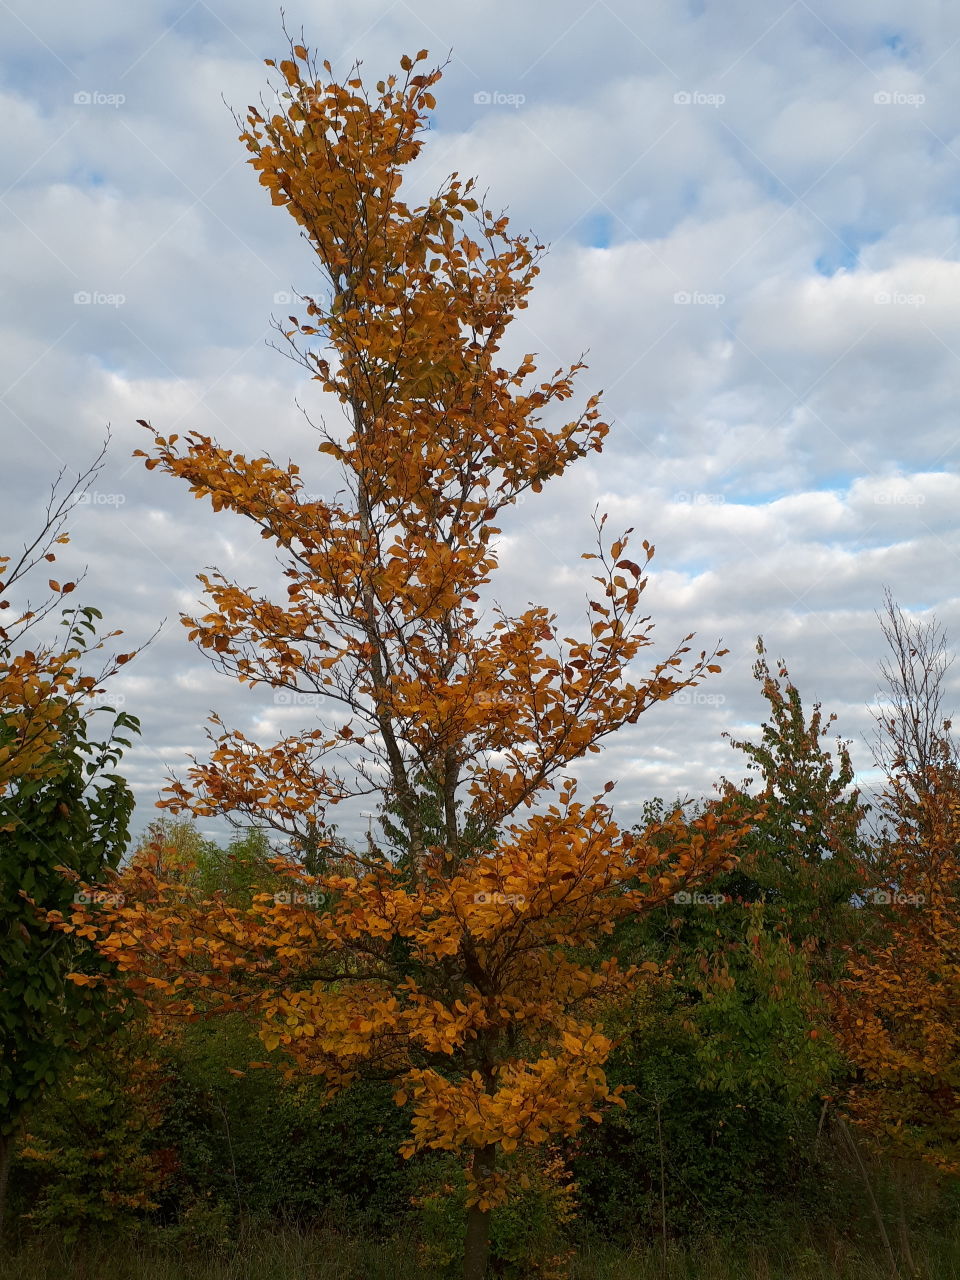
[62, 808]
[448, 968]
[914, 744]
[899, 1010]
[39, 679]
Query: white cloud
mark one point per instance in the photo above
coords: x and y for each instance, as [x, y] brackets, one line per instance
[786, 437]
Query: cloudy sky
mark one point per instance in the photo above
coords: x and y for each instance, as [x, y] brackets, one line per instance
[754, 219]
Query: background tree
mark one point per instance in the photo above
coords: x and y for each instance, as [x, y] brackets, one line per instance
[450, 971]
[913, 744]
[61, 807]
[727, 1062]
[39, 679]
[899, 1008]
[804, 858]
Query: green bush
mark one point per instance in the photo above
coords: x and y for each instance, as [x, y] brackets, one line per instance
[270, 1148]
[529, 1236]
[91, 1160]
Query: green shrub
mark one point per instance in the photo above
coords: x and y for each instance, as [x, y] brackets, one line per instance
[529, 1236]
[90, 1160]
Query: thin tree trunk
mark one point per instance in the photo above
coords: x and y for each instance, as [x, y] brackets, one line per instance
[900, 1170]
[6, 1156]
[877, 1216]
[663, 1193]
[476, 1249]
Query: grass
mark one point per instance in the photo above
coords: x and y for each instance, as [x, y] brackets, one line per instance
[289, 1254]
[837, 1259]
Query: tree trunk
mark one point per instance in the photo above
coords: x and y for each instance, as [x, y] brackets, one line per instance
[877, 1215]
[6, 1155]
[900, 1169]
[476, 1248]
